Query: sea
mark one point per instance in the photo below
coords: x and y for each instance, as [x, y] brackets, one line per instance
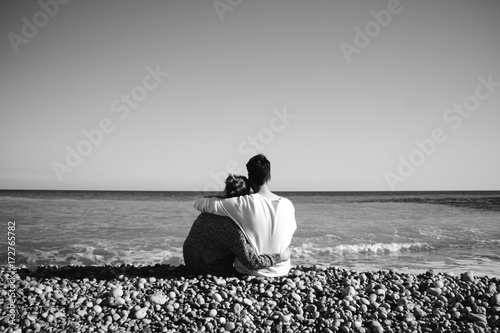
[412, 232]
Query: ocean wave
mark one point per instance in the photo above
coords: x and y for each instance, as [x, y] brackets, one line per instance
[438, 234]
[332, 236]
[82, 254]
[303, 252]
[309, 249]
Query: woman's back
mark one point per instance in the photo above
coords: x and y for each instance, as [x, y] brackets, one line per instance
[201, 250]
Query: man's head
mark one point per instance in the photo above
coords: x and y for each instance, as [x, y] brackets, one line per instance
[259, 170]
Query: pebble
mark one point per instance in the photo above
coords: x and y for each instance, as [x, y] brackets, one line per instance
[229, 326]
[285, 318]
[495, 299]
[363, 300]
[158, 299]
[308, 299]
[320, 268]
[434, 291]
[141, 313]
[220, 282]
[468, 277]
[438, 284]
[403, 301]
[271, 303]
[477, 317]
[82, 313]
[349, 291]
[117, 292]
[217, 297]
[311, 308]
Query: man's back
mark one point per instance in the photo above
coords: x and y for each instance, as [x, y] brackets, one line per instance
[268, 225]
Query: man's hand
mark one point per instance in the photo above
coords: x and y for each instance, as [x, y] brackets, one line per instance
[285, 255]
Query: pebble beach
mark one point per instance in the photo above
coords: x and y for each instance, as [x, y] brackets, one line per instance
[165, 298]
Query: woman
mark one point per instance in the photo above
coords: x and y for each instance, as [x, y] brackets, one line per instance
[215, 241]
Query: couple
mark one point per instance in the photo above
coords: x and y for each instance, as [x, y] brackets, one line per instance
[251, 231]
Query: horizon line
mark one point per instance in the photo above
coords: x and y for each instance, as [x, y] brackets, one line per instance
[192, 191]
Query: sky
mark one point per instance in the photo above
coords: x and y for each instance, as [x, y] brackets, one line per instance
[364, 95]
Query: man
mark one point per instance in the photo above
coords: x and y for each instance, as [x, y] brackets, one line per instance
[267, 220]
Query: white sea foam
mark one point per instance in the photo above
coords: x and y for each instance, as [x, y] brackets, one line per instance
[332, 236]
[437, 233]
[350, 249]
[81, 254]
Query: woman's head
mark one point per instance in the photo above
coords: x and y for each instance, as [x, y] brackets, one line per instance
[236, 185]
